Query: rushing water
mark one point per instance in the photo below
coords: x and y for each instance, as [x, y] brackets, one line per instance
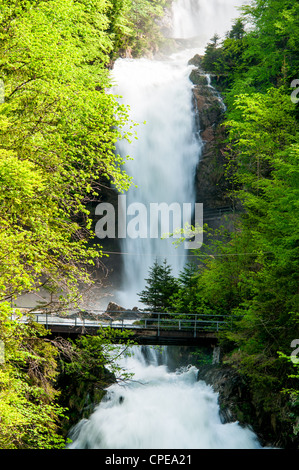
[202, 19]
[168, 146]
[160, 409]
[164, 160]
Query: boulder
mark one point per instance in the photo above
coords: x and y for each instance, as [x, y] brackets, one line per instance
[114, 310]
[198, 78]
[196, 60]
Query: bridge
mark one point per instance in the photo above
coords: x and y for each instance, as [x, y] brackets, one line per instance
[150, 328]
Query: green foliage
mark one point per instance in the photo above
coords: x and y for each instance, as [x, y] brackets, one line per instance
[260, 51]
[92, 355]
[88, 368]
[273, 42]
[29, 410]
[160, 286]
[59, 126]
[186, 298]
[226, 60]
[147, 36]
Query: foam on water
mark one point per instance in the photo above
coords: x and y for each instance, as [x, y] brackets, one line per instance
[159, 410]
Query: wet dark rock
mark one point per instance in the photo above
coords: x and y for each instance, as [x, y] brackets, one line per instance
[198, 78]
[211, 183]
[196, 60]
[236, 403]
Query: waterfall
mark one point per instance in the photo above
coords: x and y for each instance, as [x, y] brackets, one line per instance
[167, 150]
[202, 19]
[165, 157]
[159, 410]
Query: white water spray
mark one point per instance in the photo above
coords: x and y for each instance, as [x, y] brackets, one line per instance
[164, 157]
[160, 410]
[168, 149]
[201, 19]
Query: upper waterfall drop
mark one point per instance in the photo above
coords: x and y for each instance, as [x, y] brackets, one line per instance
[168, 146]
[202, 19]
[164, 160]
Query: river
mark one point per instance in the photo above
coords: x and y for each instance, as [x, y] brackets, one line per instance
[162, 407]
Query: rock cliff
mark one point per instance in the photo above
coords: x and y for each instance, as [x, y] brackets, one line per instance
[211, 185]
[237, 404]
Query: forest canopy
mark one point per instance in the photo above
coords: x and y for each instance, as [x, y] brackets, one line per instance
[59, 125]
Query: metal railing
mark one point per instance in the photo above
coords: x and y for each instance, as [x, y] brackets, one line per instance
[157, 321]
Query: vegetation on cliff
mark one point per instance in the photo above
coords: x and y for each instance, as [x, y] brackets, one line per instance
[252, 273]
[59, 126]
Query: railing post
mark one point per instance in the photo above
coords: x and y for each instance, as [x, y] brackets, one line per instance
[158, 324]
[195, 326]
[179, 324]
[47, 320]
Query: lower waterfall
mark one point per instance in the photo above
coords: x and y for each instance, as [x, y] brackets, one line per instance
[159, 409]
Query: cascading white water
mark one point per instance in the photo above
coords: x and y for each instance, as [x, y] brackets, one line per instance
[168, 149]
[164, 159]
[162, 409]
[202, 19]
[159, 410]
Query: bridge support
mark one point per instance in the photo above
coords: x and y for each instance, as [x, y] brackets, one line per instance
[216, 355]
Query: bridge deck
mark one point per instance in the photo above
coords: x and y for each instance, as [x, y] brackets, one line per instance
[157, 328]
[143, 335]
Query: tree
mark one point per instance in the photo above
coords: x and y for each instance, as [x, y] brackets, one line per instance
[143, 16]
[272, 42]
[226, 59]
[186, 298]
[238, 30]
[59, 127]
[160, 286]
[30, 414]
